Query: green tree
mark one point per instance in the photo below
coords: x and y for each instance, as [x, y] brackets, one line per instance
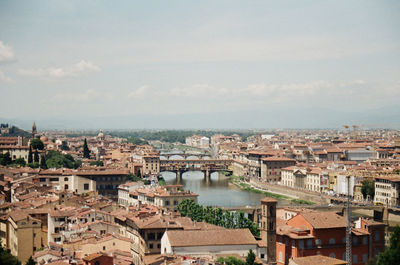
[7, 258]
[368, 188]
[30, 261]
[30, 156]
[37, 144]
[5, 159]
[86, 151]
[64, 146]
[251, 257]
[98, 163]
[33, 165]
[391, 255]
[43, 164]
[19, 162]
[55, 159]
[36, 156]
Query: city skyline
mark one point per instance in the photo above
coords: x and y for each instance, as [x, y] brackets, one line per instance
[228, 64]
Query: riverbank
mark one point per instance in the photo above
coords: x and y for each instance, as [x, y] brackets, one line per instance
[240, 183]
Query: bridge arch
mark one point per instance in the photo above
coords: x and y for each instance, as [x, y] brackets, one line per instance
[192, 157]
[176, 157]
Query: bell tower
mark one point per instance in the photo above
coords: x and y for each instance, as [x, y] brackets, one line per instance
[34, 131]
[268, 227]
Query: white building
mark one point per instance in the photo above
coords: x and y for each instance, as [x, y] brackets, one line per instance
[387, 190]
[124, 191]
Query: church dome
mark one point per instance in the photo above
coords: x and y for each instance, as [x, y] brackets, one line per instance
[101, 134]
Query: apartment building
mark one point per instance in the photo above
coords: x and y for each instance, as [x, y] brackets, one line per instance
[151, 164]
[271, 167]
[387, 190]
[24, 235]
[320, 233]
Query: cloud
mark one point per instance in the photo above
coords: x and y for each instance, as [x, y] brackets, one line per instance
[5, 78]
[61, 72]
[6, 52]
[139, 93]
[83, 96]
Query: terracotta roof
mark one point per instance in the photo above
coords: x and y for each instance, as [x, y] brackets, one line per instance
[321, 220]
[268, 199]
[318, 260]
[189, 238]
[278, 159]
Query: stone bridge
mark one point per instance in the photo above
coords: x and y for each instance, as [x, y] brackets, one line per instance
[206, 166]
[167, 156]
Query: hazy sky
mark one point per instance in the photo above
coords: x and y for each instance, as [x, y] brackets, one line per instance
[200, 63]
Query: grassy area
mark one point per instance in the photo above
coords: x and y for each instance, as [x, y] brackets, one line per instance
[247, 187]
[300, 201]
[161, 181]
[237, 181]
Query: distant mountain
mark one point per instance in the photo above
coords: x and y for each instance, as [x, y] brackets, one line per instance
[294, 117]
[13, 131]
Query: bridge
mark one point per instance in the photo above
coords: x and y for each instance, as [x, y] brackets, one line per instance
[184, 165]
[191, 156]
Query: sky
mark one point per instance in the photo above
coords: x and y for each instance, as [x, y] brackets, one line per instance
[200, 64]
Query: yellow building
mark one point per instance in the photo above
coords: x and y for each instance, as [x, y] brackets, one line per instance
[24, 235]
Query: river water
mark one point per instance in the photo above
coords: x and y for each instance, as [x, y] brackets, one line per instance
[216, 192]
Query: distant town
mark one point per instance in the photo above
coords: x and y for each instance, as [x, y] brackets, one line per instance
[199, 196]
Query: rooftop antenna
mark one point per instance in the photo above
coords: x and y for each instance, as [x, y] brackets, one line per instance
[348, 229]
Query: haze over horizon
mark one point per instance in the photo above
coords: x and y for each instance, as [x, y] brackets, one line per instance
[208, 64]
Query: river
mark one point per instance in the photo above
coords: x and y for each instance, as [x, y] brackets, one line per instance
[217, 192]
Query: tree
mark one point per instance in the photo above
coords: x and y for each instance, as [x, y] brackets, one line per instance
[368, 188]
[19, 162]
[5, 159]
[7, 258]
[37, 144]
[86, 151]
[64, 146]
[43, 164]
[98, 163]
[391, 255]
[30, 157]
[30, 261]
[251, 257]
[36, 156]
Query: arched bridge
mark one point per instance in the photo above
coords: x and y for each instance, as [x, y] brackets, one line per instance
[184, 156]
[184, 165]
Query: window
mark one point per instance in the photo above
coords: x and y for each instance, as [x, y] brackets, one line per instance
[151, 246]
[318, 242]
[66, 187]
[159, 235]
[280, 256]
[175, 202]
[286, 241]
[344, 256]
[301, 244]
[365, 240]
[150, 236]
[293, 243]
[167, 202]
[65, 179]
[104, 247]
[86, 186]
[332, 241]
[309, 243]
[355, 258]
[158, 245]
[332, 255]
[377, 237]
[262, 256]
[355, 241]
[365, 257]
